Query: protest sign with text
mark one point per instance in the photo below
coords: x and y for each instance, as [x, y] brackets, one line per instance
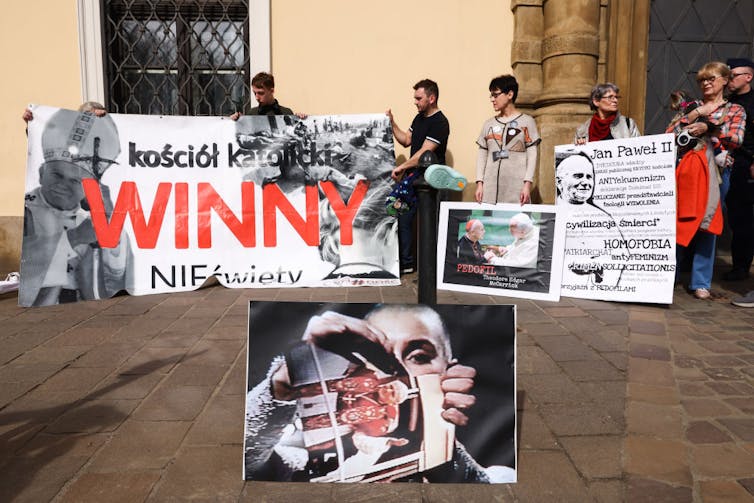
[617, 198]
[152, 204]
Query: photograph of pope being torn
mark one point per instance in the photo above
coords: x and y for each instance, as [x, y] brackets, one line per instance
[380, 393]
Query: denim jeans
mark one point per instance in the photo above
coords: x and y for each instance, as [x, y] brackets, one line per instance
[703, 259]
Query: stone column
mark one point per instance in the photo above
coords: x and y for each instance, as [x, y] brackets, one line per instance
[526, 51]
[570, 54]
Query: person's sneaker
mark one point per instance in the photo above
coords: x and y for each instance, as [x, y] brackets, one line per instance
[11, 283]
[702, 293]
[736, 275]
[407, 269]
[440, 176]
[745, 301]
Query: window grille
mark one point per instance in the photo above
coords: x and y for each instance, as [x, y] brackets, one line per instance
[176, 57]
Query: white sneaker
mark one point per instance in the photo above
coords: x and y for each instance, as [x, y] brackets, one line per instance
[11, 283]
[745, 301]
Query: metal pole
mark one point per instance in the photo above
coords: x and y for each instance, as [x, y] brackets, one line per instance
[427, 243]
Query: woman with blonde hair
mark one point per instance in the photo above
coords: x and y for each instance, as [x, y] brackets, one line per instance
[713, 128]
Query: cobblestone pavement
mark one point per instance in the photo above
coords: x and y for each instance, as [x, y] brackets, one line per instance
[141, 399]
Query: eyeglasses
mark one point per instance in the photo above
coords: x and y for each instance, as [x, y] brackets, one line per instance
[734, 75]
[495, 95]
[611, 97]
[711, 79]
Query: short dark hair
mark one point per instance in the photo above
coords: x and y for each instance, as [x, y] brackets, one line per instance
[505, 84]
[263, 79]
[429, 86]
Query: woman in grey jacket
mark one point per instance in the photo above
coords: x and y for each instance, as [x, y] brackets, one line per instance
[607, 123]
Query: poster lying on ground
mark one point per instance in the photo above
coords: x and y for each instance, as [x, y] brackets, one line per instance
[617, 198]
[153, 204]
[380, 393]
[502, 249]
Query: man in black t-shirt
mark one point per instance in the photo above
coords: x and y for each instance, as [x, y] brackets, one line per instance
[429, 131]
[740, 198]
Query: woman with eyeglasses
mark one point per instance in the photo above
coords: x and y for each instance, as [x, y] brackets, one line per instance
[711, 129]
[607, 123]
[507, 144]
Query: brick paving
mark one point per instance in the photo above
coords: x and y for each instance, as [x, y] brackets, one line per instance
[141, 399]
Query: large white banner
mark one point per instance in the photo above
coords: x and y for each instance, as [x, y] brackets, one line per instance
[618, 201]
[155, 204]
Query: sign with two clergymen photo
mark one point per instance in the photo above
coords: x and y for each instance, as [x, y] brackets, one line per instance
[380, 393]
[501, 249]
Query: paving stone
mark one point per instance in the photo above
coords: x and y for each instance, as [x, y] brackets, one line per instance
[661, 395]
[533, 433]
[127, 386]
[33, 373]
[651, 419]
[219, 423]
[93, 416]
[111, 487]
[140, 446]
[723, 374]
[705, 407]
[704, 432]
[688, 389]
[743, 404]
[173, 403]
[653, 372]
[646, 327]
[619, 360]
[581, 419]
[148, 360]
[57, 355]
[723, 491]
[641, 489]
[732, 388]
[688, 362]
[595, 456]
[564, 312]
[550, 388]
[548, 476]
[721, 347]
[595, 370]
[447, 493]
[109, 355]
[533, 360]
[747, 484]
[186, 374]
[650, 352]
[202, 473]
[605, 340]
[44, 466]
[743, 428]
[75, 379]
[722, 361]
[722, 460]
[607, 491]
[566, 348]
[663, 460]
